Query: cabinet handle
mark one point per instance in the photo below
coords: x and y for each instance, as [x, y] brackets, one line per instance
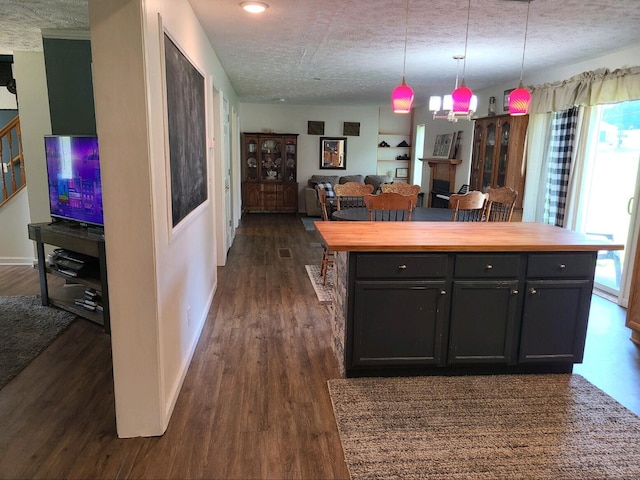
[402, 267]
[514, 292]
[488, 267]
[533, 291]
[443, 292]
[562, 266]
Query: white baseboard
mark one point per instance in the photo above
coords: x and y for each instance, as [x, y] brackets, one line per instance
[18, 261]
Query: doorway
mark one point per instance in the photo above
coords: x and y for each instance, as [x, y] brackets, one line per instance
[608, 208]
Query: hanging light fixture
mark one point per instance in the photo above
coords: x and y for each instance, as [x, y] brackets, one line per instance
[461, 96]
[402, 95]
[520, 98]
[446, 102]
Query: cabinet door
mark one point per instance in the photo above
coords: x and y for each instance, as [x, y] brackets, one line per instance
[483, 321]
[488, 163]
[251, 196]
[554, 322]
[291, 160]
[271, 166]
[477, 157]
[250, 158]
[289, 197]
[398, 323]
[503, 154]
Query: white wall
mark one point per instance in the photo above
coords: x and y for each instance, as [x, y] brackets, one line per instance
[29, 72]
[361, 150]
[7, 100]
[161, 281]
[17, 249]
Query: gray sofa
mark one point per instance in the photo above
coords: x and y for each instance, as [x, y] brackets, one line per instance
[312, 206]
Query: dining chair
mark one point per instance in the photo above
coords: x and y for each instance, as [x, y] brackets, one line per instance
[390, 206]
[469, 207]
[400, 187]
[500, 204]
[328, 256]
[349, 194]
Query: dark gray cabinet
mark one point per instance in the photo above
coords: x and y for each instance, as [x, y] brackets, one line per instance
[484, 308]
[556, 307]
[400, 303]
[452, 311]
[483, 321]
[398, 322]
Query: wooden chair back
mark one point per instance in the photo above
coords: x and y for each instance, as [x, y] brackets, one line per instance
[469, 207]
[322, 198]
[390, 206]
[350, 194]
[400, 187]
[500, 204]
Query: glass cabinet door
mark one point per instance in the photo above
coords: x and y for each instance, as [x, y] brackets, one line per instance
[271, 160]
[251, 160]
[504, 131]
[478, 137]
[489, 149]
[290, 162]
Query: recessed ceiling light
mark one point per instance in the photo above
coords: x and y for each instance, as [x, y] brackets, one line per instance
[254, 7]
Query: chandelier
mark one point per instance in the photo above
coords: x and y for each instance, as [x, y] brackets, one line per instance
[444, 107]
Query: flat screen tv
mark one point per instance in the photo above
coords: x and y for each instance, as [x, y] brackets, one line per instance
[73, 172]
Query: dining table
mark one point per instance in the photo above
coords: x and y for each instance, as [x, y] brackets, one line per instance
[419, 214]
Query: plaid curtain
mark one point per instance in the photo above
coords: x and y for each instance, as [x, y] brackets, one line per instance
[563, 132]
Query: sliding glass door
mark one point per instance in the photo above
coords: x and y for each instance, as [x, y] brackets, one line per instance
[609, 196]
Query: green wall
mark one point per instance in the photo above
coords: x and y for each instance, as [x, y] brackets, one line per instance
[68, 67]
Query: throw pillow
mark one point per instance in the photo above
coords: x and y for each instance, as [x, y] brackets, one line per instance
[327, 187]
[379, 189]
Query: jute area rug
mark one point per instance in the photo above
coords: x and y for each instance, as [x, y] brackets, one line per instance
[26, 328]
[484, 427]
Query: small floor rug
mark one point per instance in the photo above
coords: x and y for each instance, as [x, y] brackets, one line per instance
[484, 427]
[26, 328]
[323, 292]
[308, 223]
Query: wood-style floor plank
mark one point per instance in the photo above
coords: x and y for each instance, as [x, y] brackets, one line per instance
[254, 403]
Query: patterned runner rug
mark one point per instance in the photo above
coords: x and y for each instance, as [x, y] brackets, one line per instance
[323, 292]
[484, 427]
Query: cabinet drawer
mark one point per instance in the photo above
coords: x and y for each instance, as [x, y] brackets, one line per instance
[556, 265]
[487, 266]
[401, 265]
[271, 187]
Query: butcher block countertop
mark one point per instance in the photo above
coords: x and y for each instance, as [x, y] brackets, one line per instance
[452, 236]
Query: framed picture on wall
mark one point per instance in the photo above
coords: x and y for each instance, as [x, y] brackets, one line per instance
[402, 172]
[186, 130]
[442, 147]
[333, 153]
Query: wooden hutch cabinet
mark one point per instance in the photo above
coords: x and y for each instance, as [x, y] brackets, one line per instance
[269, 172]
[498, 151]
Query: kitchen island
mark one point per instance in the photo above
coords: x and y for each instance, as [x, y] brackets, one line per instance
[451, 298]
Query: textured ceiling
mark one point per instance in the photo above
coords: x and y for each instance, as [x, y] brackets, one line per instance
[351, 52]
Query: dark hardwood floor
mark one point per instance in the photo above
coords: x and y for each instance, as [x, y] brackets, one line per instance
[254, 403]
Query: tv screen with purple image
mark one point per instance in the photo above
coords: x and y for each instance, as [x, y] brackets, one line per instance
[73, 172]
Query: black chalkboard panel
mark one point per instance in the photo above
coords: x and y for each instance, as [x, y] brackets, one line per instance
[187, 132]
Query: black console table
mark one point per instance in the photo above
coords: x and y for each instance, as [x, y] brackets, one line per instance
[82, 241]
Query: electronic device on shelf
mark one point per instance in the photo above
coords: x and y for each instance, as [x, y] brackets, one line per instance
[73, 264]
[73, 173]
